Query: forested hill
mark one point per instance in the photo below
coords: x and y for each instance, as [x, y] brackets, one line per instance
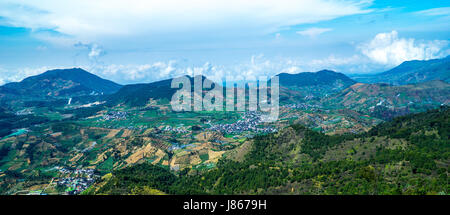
[408, 155]
[59, 83]
[411, 72]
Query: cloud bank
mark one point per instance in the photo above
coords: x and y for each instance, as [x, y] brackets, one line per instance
[18, 75]
[90, 21]
[313, 32]
[390, 49]
[255, 66]
[440, 11]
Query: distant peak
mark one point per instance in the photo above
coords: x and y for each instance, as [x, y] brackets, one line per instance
[323, 71]
[68, 70]
[326, 71]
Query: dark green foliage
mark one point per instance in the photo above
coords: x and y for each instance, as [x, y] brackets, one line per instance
[139, 94]
[4, 150]
[427, 132]
[315, 144]
[84, 112]
[65, 127]
[139, 175]
[9, 121]
[403, 127]
[323, 77]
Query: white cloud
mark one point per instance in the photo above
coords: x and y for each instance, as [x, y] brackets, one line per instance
[18, 75]
[389, 49]
[277, 36]
[313, 32]
[95, 51]
[255, 66]
[88, 21]
[440, 11]
[134, 73]
[41, 48]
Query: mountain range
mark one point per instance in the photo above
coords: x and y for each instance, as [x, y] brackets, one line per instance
[387, 101]
[419, 79]
[411, 72]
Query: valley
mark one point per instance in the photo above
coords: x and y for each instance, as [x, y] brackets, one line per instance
[68, 132]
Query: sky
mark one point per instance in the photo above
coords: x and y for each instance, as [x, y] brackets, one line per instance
[138, 41]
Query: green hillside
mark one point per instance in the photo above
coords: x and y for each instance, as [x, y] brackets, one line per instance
[410, 72]
[61, 83]
[387, 101]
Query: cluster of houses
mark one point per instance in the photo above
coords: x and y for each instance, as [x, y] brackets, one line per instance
[26, 111]
[75, 185]
[77, 181]
[169, 128]
[302, 106]
[75, 171]
[115, 115]
[251, 121]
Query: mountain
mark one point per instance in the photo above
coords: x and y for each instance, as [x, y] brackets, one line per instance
[293, 86]
[311, 85]
[386, 101]
[410, 72]
[58, 83]
[320, 78]
[140, 94]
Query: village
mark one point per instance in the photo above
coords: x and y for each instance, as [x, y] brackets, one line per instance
[251, 121]
[302, 106]
[115, 115]
[75, 181]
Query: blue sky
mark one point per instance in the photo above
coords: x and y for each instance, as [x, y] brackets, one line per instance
[143, 41]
